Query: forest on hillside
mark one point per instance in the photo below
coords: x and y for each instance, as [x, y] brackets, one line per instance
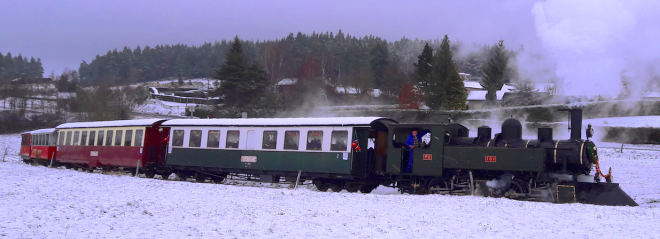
[19, 66]
[363, 62]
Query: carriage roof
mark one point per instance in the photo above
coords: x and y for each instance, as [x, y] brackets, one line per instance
[113, 123]
[328, 121]
[41, 131]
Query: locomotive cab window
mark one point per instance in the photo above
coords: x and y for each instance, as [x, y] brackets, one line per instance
[138, 137]
[402, 135]
[92, 138]
[118, 136]
[270, 140]
[83, 138]
[314, 140]
[129, 138]
[232, 139]
[177, 138]
[195, 138]
[339, 141]
[99, 139]
[213, 139]
[291, 139]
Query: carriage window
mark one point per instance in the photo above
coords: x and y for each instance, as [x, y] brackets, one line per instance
[99, 139]
[270, 140]
[177, 138]
[232, 139]
[108, 138]
[129, 138]
[118, 135]
[291, 139]
[339, 141]
[214, 139]
[138, 137]
[92, 137]
[43, 139]
[68, 137]
[61, 142]
[401, 135]
[47, 141]
[314, 140]
[76, 137]
[195, 138]
[83, 139]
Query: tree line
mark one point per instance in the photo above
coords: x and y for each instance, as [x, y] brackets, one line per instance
[363, 62]
[19, 66]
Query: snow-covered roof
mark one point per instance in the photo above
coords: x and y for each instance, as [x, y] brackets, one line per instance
[288, 81]
[114, 123]
[508, 88]
[481, 95]
[154, 90]
[41, 131]
[472, 84]
[337, 121]
[346, 90]
[652, 94]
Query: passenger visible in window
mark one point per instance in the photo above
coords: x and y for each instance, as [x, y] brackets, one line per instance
[232, 139]
[213, 139]
[339, 141]
[314, 140]
[128, 139]
[195, 138]
[92, 138]
[177, 138]
[270, 140]
[291, 139]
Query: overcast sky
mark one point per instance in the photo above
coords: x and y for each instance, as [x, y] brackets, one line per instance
[64, 33]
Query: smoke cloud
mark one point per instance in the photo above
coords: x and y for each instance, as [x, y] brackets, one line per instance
[597, 43]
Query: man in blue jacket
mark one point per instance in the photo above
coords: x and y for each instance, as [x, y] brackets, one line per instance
[414, 141]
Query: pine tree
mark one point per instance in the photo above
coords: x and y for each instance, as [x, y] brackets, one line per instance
[424, 63]
[241, 86]
[494, 73]
[442, 67]
[379, 62]
[455, 95]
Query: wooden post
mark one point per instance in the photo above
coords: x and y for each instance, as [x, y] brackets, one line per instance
[471, 185]
[51, 160]
[3, 156]
[621, 147]
[137, 169]
[297, 179]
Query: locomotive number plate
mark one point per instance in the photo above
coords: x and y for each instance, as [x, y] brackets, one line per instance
[491, 159]
[249, 159]
[427, 157]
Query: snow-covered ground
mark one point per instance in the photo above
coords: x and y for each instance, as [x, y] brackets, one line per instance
[40, 202]
[632, 121]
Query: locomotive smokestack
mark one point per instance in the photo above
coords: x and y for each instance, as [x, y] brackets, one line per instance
[576, 124]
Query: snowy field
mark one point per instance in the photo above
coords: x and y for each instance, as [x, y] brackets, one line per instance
[632, 121]
[40, 202]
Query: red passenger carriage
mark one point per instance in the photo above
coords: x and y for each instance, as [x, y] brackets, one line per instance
[39, 146]
[111, 144]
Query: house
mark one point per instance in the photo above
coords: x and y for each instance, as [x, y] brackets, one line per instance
[477, 99]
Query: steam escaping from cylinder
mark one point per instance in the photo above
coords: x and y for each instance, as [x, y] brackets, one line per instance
[502, 183]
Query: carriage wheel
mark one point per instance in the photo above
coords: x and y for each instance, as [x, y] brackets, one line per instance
[181, 176]
[322, 186]
[368, 188]
[337, 186]
[149, 174]
[438, 186]
[200, 177]
[352, 188]
[165, 176]
[221, 179]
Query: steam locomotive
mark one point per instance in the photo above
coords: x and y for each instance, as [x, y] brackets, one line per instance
[344, 153]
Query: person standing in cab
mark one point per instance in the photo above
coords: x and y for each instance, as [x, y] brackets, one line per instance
[414, 141]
